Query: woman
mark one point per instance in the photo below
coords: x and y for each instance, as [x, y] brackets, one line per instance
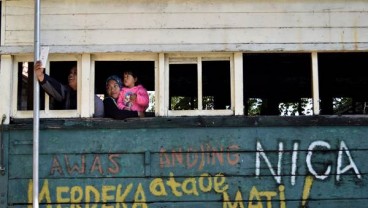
[113, 88]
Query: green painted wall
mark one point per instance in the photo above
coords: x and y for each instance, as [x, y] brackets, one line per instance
[198, 162]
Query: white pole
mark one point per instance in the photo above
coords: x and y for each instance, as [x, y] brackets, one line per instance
[36, 105]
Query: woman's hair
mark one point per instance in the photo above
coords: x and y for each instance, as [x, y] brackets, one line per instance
[116, 79]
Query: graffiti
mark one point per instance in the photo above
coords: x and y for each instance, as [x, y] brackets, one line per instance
[91, 196]
[140, 192]
[343, 151]
[205, 155]
[158, 187]
[256, 198]
[61, 167]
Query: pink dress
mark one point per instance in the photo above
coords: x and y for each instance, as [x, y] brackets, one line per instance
[140, 104]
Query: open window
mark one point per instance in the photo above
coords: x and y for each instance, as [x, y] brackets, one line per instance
[58, 68]
[343, 81]
[144, 69]
[25, 87]
[200, 85]
[277, 84]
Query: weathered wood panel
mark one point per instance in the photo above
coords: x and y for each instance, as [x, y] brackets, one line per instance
[180, 189]
[136, 21]
[305, 23]
[15, 7]
[298, 162]
[331, 203]
[174, 36]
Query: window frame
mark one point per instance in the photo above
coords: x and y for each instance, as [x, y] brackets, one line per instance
[274, 56]
[162, 61]
[47, 113]
[127, 57]
[197, 58]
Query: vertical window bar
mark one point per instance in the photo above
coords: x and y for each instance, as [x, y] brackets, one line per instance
[315, 83]
[164, 84]
[160, 86]
[85, 99]
[47, 97]
[237, 82]
[199, 83]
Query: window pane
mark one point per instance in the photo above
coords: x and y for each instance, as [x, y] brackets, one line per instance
[343, 81]
[277, 84]
[145, 71]
[59, 70]
[25, 87]
[216, 85]
[183, 88]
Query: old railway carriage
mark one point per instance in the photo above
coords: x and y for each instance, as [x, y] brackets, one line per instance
[252, 104]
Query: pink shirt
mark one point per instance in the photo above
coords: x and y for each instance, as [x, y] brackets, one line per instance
[140, 104]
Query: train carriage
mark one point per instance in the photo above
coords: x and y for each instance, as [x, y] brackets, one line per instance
[252, 104]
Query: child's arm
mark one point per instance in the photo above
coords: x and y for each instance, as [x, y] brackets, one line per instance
[142, 98]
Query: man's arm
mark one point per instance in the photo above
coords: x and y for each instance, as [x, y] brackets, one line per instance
[54, 88]
[51, 86]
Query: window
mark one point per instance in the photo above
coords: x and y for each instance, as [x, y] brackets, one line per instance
[58, 68]
[200, 85]
[183, 98]
[25, 87]
[208, 84]
[343, 79]
[277, 84]
[142, 65]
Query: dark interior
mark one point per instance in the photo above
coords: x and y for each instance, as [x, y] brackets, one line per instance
[145, 71]
[276, 78]
[25, 89]
[215, 84]
[343, 76]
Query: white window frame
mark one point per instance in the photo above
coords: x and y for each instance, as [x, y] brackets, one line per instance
[315, 83]
[236, 85]
[128, 57]
[86, 78]
[47, 113]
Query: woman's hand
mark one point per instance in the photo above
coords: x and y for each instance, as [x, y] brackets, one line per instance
[39, 71]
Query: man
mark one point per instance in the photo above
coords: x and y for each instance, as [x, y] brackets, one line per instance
[65, 94]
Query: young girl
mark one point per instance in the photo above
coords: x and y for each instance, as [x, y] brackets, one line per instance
[133, 97]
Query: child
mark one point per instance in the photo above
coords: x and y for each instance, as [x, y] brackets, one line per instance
[113, 87]
[133, 97]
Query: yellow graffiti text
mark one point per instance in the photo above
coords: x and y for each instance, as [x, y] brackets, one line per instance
[134, 195]
[90, 194]
[307, 187]
[190, 186]
[256, 199]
